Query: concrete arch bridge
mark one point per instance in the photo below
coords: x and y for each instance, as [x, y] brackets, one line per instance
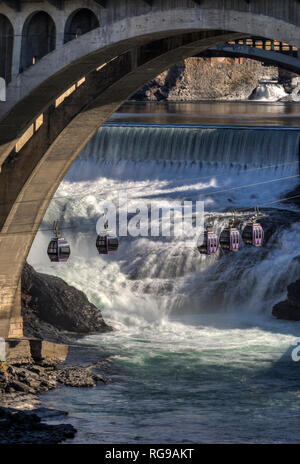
[269, 52]
[68, 66]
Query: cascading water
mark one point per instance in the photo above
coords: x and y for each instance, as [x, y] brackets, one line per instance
[268, 91]
[164, 164]
[204, 322]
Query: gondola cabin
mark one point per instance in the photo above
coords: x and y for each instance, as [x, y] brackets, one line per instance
[210, 243]
[107, 243]
[58, 250]
[253, 234]
[230, 239]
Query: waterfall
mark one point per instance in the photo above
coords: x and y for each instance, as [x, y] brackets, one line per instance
[182, 163]
[149, 277]
[197, 356]
[268, 91]
[141, 144]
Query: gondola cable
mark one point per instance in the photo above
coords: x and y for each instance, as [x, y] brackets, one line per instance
[103, 194]
[207, 194]
[73, 227]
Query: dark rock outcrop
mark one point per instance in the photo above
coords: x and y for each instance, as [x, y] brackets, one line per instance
[24, 427]
[27, 379]
[50, 305]
[290, 308]
[19, 388]
[79, 377]
[34, 379]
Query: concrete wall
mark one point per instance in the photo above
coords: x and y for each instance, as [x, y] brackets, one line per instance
[59, 17]
[117, 10]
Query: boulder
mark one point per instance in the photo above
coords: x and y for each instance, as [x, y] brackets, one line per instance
[50, 305]
[289, 309]
[25, 427]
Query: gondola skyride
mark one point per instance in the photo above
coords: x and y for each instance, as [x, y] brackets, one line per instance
[210, 244]
[230, 237]
[107, 242]
[253, 233]
[58, 249]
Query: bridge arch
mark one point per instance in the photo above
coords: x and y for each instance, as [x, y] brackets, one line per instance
[115, 61]
[80, 22]
[6, 47]
[38, 38]
[270, 57]
[45, 158]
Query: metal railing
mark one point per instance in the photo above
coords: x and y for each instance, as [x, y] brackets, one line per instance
[267, 44]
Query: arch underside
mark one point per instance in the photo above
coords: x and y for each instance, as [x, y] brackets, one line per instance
[80, 22]
[38, 38]
[270, 58]
[32, 91]
[6, 47]
[29, 178]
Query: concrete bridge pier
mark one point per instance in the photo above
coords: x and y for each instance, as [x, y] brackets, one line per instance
[15, 328]
[20, 349]
[11, 321]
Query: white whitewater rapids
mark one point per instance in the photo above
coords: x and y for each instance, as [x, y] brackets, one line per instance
[196, 351]
[269, 92]
[150, 278]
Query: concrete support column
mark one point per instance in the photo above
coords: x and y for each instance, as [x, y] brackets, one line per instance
[16, 53]
[11, 323]
[60, 31]
[16, 320]
[7, 295]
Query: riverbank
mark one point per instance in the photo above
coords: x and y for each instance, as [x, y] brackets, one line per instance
[24, 427]
[20, 413]
[54, 311]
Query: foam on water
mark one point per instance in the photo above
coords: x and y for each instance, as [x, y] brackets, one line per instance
[187, 326]
[155, 275]
[268, 91]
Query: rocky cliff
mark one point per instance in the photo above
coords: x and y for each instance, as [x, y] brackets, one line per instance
[289, 309]
[207, 79]
[51, 307]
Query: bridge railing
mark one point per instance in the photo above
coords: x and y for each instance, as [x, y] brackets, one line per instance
[266, 44]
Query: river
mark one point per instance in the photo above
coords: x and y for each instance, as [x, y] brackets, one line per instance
[197, 356]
